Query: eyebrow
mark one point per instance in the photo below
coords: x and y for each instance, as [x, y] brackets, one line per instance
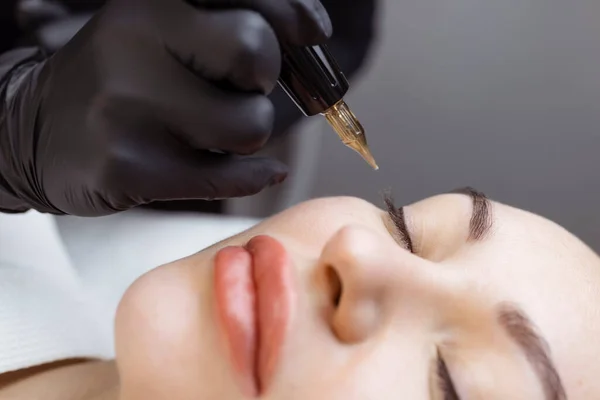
[482, 219]
[520, 329]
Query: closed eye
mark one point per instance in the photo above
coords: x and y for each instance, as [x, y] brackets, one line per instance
[397, 216]
[445, 380]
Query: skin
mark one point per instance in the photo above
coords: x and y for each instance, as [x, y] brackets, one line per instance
[396, 310]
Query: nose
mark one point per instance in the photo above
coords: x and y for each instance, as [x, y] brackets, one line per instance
[364, 270]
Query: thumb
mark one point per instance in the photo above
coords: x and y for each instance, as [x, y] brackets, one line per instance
[214, 176]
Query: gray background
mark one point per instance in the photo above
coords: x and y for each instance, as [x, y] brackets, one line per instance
[503, 95]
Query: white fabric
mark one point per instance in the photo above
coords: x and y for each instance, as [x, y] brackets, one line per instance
[61, 278]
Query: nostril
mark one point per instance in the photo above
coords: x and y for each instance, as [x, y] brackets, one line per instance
[334, 284]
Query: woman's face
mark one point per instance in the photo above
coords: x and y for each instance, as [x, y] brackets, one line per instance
[492, 303]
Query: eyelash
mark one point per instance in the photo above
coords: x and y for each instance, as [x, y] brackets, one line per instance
[445, 380]
[397, 216]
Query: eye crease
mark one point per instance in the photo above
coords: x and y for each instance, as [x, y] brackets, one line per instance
[397, 216]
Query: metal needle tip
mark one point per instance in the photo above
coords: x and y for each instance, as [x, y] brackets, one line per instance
[350, 131]
[361, 148]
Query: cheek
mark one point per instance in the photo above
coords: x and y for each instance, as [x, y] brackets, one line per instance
[309, 231]
[398, 369]
[383, 370]
[312, 224]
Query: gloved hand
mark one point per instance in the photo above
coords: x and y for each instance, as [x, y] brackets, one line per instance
[126, 112]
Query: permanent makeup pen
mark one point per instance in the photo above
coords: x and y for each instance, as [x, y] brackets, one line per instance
[315, 82]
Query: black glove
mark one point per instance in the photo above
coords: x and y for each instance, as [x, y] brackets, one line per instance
[127, 111]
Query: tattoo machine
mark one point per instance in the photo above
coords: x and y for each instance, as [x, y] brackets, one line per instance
[314, 81]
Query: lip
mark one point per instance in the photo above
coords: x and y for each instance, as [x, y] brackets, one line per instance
[255, 297]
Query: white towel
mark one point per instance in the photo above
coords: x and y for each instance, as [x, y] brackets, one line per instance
[45, 314]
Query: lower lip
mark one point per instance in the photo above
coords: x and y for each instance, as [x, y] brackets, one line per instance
[254, 297]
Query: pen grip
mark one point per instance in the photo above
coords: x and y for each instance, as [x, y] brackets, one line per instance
[312, 78]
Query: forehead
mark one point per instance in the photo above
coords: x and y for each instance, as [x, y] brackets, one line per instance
[551, 275]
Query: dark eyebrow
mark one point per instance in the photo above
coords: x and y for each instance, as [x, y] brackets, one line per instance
[521, 330]
[481, 217]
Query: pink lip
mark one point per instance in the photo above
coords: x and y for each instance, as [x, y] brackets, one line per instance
[254, 297]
